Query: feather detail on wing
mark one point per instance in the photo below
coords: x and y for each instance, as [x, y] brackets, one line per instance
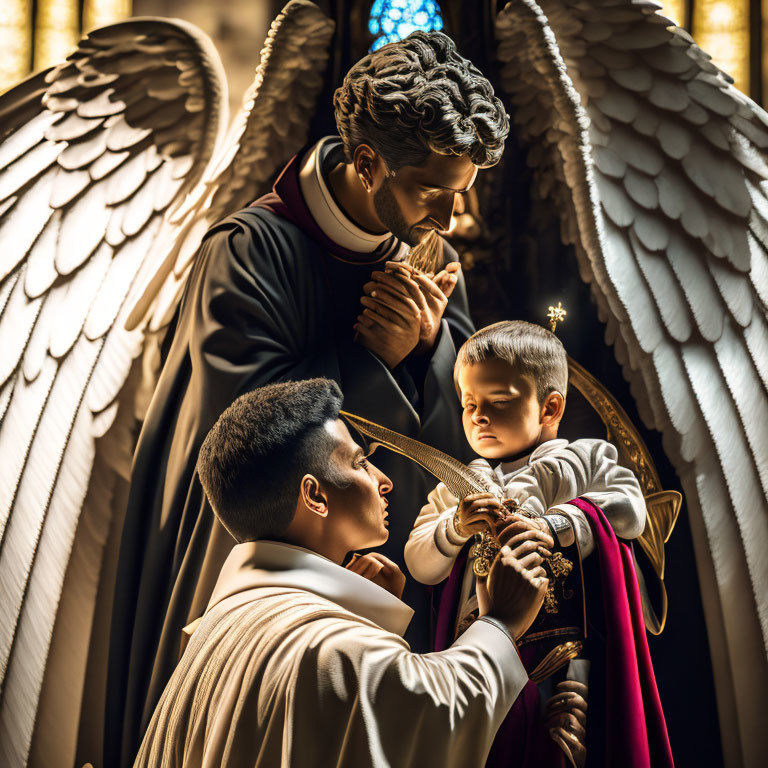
[658, 166]
[93, 154]
[272, 126]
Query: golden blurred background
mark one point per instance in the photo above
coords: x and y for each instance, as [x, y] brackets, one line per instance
[36, 34]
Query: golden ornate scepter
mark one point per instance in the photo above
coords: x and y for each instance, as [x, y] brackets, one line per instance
[462, 481]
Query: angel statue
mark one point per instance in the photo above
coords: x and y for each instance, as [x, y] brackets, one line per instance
[142, 291]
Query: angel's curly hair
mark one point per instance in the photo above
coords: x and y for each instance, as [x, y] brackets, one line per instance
[419, 95]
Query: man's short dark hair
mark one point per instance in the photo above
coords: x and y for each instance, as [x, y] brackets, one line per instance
[534, 350]
[419, 95]
[252, 461]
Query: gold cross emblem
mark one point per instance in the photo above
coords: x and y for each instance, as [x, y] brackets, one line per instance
[556, 315]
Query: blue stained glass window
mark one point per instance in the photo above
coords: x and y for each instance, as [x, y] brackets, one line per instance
[392, 20]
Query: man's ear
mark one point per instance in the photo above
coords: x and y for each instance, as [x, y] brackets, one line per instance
[368, 165]
[552, 409]
[312, 496]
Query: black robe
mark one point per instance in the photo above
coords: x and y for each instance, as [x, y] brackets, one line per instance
[270, 298]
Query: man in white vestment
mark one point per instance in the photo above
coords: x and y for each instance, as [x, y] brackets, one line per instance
[299, 661]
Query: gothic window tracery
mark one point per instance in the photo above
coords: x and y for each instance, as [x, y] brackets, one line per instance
[36, 35]
[391, 20]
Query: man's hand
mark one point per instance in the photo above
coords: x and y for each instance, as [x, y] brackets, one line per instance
[430, 294]
[447, 279]
[517, 583]
[380, 570]
[513, 524]
[389, 325]
[403, 309]
[477, 512]
[565, 716]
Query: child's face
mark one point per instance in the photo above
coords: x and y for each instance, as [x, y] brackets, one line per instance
[502, 415]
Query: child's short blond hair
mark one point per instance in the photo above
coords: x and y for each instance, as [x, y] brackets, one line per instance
[537, 352]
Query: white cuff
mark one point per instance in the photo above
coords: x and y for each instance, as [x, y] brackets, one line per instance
[497, 623]
[563, 526]
[447, 539]
[580, 527]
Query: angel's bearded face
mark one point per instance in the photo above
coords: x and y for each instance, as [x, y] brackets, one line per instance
[416, 200]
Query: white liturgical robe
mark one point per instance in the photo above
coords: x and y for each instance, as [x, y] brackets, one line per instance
[298, 662]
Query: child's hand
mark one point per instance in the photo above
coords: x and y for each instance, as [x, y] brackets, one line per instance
[478, 512]
[380, 570]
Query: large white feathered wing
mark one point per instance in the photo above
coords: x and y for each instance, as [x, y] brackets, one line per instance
[272, 126]
[93, 154]
[658, 166]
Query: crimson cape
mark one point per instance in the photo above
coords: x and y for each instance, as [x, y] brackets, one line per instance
[625, 721]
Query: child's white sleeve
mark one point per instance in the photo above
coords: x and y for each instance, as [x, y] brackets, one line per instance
[538, 489]
[617, 492]
[433, 544]
[610, 486]
[584, 468]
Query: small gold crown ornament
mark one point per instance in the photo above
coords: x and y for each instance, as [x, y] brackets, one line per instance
[556, 315]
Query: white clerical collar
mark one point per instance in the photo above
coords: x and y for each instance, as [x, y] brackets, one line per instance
[325, 210]
[510, 467]
[274, 564]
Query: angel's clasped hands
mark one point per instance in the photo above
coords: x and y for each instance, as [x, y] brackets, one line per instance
[402, 310]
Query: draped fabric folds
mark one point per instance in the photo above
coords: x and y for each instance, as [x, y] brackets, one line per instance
[634, 732]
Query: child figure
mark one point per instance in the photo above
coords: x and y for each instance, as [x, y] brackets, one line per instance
[512, 379]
